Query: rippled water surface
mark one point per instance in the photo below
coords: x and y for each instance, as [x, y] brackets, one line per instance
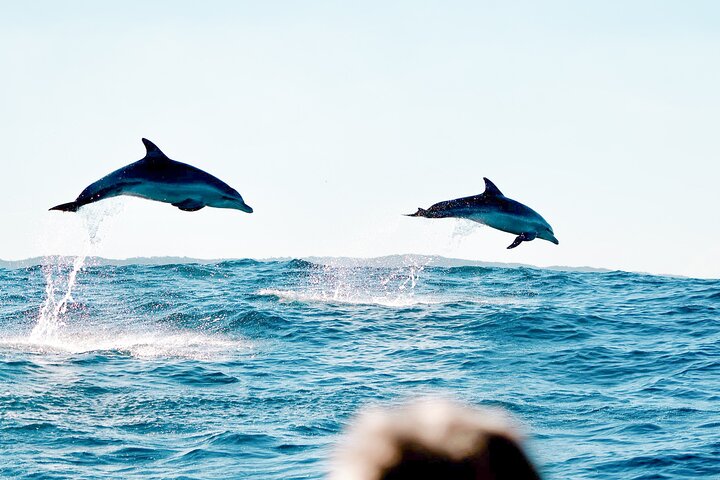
[249, 369]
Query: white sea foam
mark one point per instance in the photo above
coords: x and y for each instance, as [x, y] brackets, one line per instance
[354, 297]
[367, 298]
[150, 344]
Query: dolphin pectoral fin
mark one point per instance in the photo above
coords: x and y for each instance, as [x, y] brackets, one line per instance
[517, 242]
[523, 237]
[189, 205]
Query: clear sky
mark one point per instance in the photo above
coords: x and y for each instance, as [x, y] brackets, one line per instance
[334, 118]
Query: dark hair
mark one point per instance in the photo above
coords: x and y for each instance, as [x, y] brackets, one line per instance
[432, 439]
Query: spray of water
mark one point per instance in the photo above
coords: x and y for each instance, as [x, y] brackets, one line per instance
[359, 284]
[54, 307]
[463, 229]
[61, 276]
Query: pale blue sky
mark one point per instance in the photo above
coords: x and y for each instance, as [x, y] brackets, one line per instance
[333, 118]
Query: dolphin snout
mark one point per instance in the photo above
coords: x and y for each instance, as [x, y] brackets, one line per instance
[548, 235]
[244, 207]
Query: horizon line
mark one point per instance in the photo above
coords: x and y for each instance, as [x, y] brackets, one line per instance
[325, 260]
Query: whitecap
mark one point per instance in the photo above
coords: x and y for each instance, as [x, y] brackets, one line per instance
[347, 297]
[145, 345]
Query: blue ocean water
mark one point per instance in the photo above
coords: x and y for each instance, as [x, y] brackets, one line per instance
[247, 369]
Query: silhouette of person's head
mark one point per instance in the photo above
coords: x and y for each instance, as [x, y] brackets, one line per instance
[433, 439]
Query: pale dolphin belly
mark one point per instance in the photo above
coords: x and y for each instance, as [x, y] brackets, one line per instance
[173, 193]
[503, 221]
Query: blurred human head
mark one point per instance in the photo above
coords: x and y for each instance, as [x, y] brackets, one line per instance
[431, 439]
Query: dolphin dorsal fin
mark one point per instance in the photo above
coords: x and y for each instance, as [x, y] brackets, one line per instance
[153, 152]
[491, 189]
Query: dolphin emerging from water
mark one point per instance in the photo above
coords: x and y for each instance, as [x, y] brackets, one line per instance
[495, 210]
[156, 177]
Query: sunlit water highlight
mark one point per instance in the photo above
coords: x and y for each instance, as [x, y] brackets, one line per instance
[246, 369]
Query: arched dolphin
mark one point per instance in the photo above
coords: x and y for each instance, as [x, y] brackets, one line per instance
[156, 177]
[495, 210]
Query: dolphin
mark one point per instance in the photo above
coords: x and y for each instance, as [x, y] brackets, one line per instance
[495, 210]
[157, 177]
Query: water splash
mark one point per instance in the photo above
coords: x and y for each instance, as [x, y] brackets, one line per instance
[358, 284]
[463, 229]
[96, 218]
[58, 284]
[53, 309]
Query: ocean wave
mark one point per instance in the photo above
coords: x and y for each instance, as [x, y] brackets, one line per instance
[251, 369]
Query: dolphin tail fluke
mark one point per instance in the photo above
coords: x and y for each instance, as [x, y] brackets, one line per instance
[420, 213]
[67, 207]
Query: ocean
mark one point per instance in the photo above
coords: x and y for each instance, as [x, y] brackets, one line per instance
[251, 369]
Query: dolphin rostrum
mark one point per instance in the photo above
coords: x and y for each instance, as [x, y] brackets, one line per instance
[156, 177]
[495, 210]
